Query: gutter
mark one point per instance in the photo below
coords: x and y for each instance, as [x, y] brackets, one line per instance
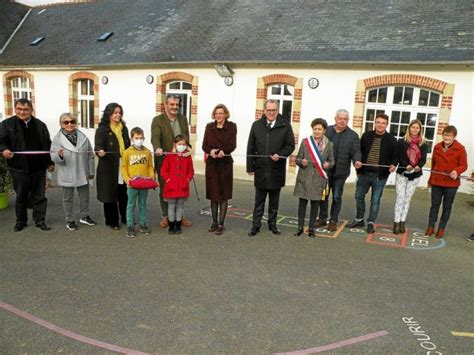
[14, 32]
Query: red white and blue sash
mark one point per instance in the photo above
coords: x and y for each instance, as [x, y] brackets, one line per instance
[315, 156]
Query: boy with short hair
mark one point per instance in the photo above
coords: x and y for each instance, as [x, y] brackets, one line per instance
[137, 161]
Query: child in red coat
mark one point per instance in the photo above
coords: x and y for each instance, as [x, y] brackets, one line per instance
[177, 172]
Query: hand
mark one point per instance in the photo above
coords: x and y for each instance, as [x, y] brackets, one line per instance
[392, 168]
[51, 168]
[409, 167]
[214, 153]
[453, 174]
[7, 154]
[101, 153]
[61, 153]
[221, 154]
[91, 177]
[159, 152]
[417, 169]
[304, 162]
[275, 157]
[186, 154]
[357, 164]
[251, 173]
[325, 165]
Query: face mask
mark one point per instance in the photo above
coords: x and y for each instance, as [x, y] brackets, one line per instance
[138, 143]
[180, 148]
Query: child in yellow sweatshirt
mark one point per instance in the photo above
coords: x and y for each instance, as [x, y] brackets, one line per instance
[137, 161]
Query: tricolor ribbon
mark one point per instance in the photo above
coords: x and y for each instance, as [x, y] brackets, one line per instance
[315, 156]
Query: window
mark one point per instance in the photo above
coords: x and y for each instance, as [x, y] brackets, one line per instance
[403, 104]
[85, 102]
[184, 91]
[282, 93]
[20, 89]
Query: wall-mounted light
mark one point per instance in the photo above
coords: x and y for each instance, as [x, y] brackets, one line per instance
[104, 80]
[223, 70]
[150, 79]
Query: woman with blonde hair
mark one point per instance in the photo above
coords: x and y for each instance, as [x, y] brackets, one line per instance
[412, 150]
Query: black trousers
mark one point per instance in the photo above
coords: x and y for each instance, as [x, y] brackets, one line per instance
[30, 192]
[116, 212]
[259, 208]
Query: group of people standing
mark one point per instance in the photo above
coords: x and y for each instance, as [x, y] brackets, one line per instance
[126, 169]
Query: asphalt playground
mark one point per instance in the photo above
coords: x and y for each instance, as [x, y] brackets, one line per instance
[95, 291]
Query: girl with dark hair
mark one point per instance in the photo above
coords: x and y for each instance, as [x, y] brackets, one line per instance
[111, 140]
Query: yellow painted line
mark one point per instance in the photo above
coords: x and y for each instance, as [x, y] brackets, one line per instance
[463, 334]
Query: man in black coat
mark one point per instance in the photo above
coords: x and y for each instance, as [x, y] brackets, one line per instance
[379, 159]
[346, 150]
[24, 132]
[271, 138]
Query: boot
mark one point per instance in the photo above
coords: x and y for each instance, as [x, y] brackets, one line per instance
[299, 231]
[440, 233]
[429, 231]
[171, 227]
[177, 227]
[402, 227]
[396, 227]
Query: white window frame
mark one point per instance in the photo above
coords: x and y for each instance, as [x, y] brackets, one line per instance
[282, 97]
[413, 109]
[85, 120]
[21, 88]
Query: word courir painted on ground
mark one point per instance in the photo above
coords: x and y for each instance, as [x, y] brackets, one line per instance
[424, 340]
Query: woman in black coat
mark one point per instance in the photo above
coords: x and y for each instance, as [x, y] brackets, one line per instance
[111, 139]
[220, 139]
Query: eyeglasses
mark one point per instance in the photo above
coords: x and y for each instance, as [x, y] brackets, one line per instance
[275, 110]
[67, 122]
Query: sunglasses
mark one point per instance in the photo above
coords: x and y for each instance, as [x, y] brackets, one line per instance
[68, 122]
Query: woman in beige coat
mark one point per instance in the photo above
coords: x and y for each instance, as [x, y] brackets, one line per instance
[315, 156]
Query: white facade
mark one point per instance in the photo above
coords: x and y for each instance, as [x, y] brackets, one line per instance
[337, 87]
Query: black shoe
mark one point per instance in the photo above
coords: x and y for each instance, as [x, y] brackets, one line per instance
[71, 225]
[275, 230]
[402, 227]
[396, 228]
[19, 226]
[370, 228]
[311, 233]
[253, 232]
[177, 227]
[356, 223]
[171, 227]
[299, 232]
[43, 226]
[87, 220]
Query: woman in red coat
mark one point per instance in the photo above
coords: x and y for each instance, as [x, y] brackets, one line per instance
[219, 141]
[177, 172]
[449, 160]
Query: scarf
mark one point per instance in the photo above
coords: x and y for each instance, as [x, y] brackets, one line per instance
[116, 128]
[413, 151]
[71, 137]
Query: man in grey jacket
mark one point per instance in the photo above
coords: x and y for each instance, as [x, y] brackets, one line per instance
[346, 149]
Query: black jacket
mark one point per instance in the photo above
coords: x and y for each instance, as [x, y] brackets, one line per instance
[109, 165]
[404, 161]
[269, 175]
[13, 138]
[346, 149]
[388, 153]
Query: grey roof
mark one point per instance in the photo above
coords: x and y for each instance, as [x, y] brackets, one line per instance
[11, 14]
[246, 31]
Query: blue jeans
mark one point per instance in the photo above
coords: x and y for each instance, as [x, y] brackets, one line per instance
[446, 195]
[336, 187]
[133, 196]
[364, 183]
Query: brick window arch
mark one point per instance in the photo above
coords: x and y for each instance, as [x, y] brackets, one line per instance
[163, 80]
[75, 105]
[8, 80]
[445, 90]
[263, 83]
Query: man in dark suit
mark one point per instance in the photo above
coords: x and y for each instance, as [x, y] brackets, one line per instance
[271, 138]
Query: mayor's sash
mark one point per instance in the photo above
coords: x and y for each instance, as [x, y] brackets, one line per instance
[315, 156]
